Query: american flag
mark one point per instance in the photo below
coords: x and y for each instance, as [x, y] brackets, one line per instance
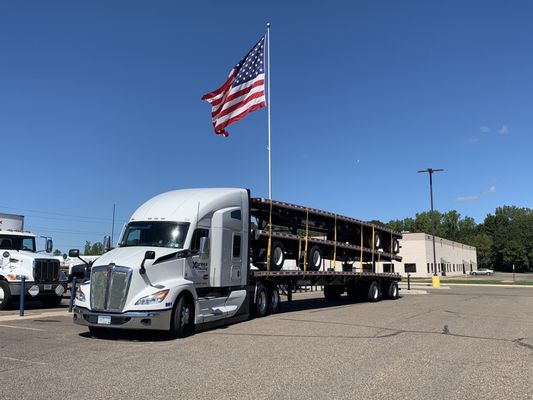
[243, 91]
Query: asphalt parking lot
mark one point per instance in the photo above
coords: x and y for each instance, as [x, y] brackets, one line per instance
[455, 343]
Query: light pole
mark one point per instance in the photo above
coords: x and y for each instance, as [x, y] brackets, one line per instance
[430, 171]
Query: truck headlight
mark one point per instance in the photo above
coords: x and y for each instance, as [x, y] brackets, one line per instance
[80, 296]
[154, 298]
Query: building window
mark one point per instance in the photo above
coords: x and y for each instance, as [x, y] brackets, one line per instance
[409, 268]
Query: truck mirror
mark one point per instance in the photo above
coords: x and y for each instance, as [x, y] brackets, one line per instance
[65, 256]
[149, 255]
[107, 243]
[204, 246]
[6, 254]
[74, 253]
[49, 245]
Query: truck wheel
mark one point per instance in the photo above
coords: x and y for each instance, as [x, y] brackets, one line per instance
[274, 300]
[393, 293]
[277, 256]
[50, 301]
[373, 292]
[315, 258]
[261, 301]
[332, 292]
[182, 320]
[5, 295]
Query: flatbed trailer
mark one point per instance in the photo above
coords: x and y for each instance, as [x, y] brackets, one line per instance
[196, 258]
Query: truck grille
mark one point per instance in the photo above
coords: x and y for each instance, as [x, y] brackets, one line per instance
[46, 270]
[109, 287]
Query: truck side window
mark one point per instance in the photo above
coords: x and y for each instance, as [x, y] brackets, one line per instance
[236, 246]
[198, 233]
[236, 214]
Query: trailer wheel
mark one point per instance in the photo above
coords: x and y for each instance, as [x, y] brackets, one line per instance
[182, 320]
[261, 301]
[315, 258]
[332, 292]
[393, 293]
[373, 292]
[5, 294]
[50, 301]
[274, 299]
[277, 257]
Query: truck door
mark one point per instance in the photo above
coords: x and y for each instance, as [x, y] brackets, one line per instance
[227, 248]
[198, 265]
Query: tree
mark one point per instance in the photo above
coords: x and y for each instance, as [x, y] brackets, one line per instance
[56, 252]
[93, 249]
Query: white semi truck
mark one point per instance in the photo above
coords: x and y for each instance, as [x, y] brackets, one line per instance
[20, 258]
[195, 258]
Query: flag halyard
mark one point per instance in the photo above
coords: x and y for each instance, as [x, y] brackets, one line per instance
[242, 92]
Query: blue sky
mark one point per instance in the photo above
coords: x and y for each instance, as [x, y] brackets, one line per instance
[100, 105]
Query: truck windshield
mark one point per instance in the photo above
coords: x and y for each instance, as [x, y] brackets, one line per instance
[17, 243]
[155, 233]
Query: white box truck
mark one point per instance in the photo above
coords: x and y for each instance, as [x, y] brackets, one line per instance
[195, 258]
[19, 258]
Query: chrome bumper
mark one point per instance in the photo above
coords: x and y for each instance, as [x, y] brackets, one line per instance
[44, 288]
[155, 320]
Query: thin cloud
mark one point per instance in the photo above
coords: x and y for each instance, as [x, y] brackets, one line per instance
[504, 130]
[484, 129]
[492, 189]
[473, 140]
[462, 199]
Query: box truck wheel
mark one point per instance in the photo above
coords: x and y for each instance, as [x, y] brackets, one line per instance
[5, 294]
[277, 257]
[274, 300]
[315, 258]
[182, 320]
[261, 301]
[50, 301]
[373, 292]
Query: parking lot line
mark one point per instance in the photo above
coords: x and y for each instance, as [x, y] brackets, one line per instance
[34, 316]
[21, 327]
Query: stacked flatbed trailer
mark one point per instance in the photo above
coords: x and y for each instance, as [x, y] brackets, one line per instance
[310, 237]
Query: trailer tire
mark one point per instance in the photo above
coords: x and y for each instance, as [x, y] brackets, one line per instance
[5, 295]
[314, 259]
[50, 301]
[261, 301]
[373, 294]
[182, 320]
[333, 292]
[277, 257]
[393, 292]
[274, 299]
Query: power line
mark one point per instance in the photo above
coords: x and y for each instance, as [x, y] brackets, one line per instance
[108, 220]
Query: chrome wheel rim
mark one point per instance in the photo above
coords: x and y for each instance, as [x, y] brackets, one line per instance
[2, 294]
[262, 301]
[278, 256]
[185, 316]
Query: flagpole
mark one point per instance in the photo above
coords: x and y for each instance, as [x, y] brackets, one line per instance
[268, 107]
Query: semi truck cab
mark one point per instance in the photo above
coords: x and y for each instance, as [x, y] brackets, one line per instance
[181, 262]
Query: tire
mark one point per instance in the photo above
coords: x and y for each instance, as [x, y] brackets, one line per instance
[261, 301]
[274, 300]
[393, 292]
[314, 259]
[5, 295]
[373, 293]
[50, 301]
[332, 292]
[277, 256]
[182, 320]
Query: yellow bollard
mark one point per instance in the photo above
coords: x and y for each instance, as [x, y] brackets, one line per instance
[435, 281]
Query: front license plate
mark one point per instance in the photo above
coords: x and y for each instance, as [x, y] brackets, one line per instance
[47, 287]
[104, 320]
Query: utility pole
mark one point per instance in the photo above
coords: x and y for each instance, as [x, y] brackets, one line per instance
[430, 171]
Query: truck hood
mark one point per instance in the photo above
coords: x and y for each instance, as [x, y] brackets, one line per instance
[132, 256]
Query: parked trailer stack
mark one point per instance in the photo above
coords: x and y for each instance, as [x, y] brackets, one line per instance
[184, 262]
